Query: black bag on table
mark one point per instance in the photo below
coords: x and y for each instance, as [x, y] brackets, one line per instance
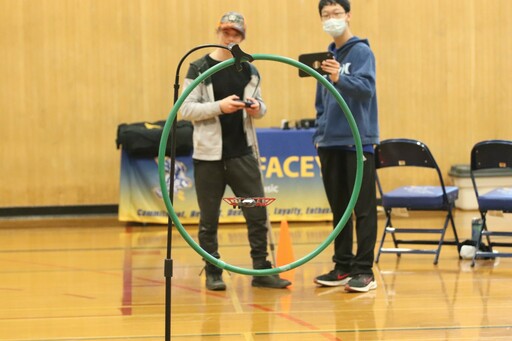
[143, 138]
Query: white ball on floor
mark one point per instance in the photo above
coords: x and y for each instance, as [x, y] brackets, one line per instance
[467, 251]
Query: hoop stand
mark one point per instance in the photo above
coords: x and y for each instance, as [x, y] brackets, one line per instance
[270, 232]
[239, 56]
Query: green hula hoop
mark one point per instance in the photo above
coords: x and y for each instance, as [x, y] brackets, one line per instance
[353, 199]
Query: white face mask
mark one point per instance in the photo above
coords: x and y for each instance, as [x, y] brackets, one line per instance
[335, 27]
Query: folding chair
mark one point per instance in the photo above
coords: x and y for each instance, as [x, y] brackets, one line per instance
[492, 155]
[405, 153]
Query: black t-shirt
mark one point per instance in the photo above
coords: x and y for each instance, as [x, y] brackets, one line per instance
[227, 82]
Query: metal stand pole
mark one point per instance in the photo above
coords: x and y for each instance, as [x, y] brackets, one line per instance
[270, 232]
[239, 56]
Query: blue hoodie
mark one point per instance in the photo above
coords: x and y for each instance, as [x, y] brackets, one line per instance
[357, 87]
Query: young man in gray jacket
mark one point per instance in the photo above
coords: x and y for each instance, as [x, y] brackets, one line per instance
[223, 149]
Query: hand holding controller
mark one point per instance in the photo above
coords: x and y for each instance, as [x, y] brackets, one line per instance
[247, 103]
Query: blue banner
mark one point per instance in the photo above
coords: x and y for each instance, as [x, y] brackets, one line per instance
[291, 174]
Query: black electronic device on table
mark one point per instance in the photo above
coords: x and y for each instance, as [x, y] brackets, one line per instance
[314, 60]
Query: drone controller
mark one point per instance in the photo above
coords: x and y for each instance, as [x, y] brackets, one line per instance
[247, 103]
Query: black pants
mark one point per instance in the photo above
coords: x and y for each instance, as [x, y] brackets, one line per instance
[338, 174]
[243, 176]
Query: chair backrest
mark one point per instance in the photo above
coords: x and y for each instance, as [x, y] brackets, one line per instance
[490, 154]
[405, 152]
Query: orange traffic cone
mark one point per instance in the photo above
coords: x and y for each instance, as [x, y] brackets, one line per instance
[285, 251]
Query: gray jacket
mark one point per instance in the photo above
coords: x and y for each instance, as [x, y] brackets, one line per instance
[201, 108]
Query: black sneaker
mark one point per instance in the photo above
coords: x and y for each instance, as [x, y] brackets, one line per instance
[333, 279]
[214, 282]
[271, 281]
[361, 283]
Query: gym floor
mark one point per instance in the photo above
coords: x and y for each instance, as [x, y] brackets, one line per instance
[94, 278]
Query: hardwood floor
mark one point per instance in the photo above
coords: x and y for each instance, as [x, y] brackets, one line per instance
[84, 278]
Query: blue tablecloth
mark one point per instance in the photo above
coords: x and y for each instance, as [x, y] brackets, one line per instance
[291, 173]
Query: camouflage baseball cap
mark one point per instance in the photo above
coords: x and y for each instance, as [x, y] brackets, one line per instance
[233, 20]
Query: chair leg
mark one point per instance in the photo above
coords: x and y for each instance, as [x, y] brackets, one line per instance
[395, 241]
[455, 234]
[381, 244]
[441, 239]
[484, 228]
[388, 222]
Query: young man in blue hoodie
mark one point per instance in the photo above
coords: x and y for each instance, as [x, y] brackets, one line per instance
[352, 72]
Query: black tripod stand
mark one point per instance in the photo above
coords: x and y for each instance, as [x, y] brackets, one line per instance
[240, 57]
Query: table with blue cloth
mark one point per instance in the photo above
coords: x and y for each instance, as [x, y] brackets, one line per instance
[291, 174]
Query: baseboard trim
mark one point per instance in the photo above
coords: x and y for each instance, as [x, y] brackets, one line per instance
[26, 211]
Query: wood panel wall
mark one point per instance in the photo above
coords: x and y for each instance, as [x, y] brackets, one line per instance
[72, 70]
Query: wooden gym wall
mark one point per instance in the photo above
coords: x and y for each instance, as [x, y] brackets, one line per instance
[72, 70]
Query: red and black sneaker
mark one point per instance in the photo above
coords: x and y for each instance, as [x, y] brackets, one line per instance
[333, 279]
[361, 283]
